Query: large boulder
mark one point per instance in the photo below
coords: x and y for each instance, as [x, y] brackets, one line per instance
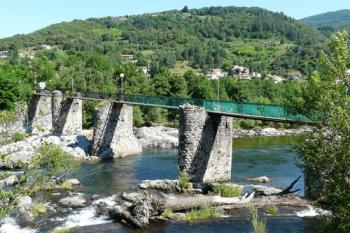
[73, 202]
[24, 215]
[158, 137]
[163, 185]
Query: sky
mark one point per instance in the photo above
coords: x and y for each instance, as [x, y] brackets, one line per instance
[25, 16]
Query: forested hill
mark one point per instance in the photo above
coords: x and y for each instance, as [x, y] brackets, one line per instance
[200, 39]
[330, 19]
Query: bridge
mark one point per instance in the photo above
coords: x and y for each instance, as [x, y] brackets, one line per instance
[205, 126]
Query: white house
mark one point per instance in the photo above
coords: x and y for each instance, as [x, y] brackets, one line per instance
[216, 74]
[4, 54]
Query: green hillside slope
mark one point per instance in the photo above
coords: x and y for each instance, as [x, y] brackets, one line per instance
[330, 19]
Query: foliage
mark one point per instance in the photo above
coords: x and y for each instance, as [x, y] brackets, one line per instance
[60, 230]
[184, 181]
[7, 116]
[66, 186]
[329, 19]
[38, 209]
[324, 154]
[258, 225]
[227, 190]
[18, 136]
[168, 213]
[203, 213]
[271, 209]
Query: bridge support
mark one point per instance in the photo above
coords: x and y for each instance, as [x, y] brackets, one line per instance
[67, 115]
[40, 114]
[113, 132]
[205, 145]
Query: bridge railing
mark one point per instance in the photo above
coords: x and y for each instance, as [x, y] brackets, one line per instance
[234, 108]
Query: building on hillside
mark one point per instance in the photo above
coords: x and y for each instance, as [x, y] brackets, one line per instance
[295, 75]
[4, 54]
[46, 46]
[276, 79]
[127, 57]
[256, 75]
[216, 74]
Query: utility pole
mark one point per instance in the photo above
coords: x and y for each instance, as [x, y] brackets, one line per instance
[122, 75]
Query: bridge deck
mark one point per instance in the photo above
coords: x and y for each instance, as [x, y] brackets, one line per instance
[264, 112]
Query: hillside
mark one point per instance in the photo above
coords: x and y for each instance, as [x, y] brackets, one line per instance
[202, 39]
[330, 19]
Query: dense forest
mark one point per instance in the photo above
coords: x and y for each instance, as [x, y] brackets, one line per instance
[85, 56]
[333, 19]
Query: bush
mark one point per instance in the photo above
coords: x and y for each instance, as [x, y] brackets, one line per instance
[203, 213]
[60, 230]
[17, 137]
[271, 209]
[227, 190]
[184, 182]
[66, 186]
[168, 213]
[7, 116]
[258, 225]
[39, 209]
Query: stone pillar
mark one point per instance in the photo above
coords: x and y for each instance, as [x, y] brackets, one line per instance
[40, 114]
[57, 99]
[113, 132]
[69, 117]
[205, 145]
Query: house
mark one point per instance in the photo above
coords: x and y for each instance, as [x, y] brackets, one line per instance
[276, 79]
[256, 75]
[294, 75]
[4, 54]
[127, 57]
[216, 74]
[46, 46]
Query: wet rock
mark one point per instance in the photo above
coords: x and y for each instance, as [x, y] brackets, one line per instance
[24, 215]
[9, 181]
[158, 137]
[163, 185]
[261, 179]
[265, 191]
[131, 197]
[73, 202]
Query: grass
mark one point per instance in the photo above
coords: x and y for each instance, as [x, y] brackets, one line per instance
[203, 213]
[60, 230]
[168, 213]
[39, 209]
[258, 225]
[271, 209]
[184, 182]
[18, 136]
[227, 190]
[181, 67]
[66, 186]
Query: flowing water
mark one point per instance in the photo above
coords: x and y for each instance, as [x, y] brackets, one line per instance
[252, 157]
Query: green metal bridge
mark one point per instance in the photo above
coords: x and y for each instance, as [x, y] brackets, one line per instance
[264, 112]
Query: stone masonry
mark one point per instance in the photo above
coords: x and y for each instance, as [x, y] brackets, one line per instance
[40, 114]
[113, 132]
[205, 145]
[68, 116]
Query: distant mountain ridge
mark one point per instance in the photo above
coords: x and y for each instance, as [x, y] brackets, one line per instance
[332, 19]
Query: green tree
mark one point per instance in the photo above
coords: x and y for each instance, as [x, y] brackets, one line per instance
[325, 154]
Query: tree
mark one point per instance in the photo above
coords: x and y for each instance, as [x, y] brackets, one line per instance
[325, 154]
[185, 9]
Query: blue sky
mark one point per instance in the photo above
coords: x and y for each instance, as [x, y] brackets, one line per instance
[24, 16]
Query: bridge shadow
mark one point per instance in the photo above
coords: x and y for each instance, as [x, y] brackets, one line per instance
[62, 116]
[205, 146]
[33, 107]
[103, 147]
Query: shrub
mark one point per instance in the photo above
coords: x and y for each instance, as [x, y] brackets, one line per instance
[39, 209]
[184, 182]
[258, 225]
[7, 116]
[168, 213]
[203, 213]
[271, 209]
[66, 186]
[60, 230]
[17, 137]
[227, 190]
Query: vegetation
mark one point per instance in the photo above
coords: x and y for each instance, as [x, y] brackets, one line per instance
[203, 213]
[325, 153]
[39, 209]
[168, 213]
[184, 181]
[66, 186]
[258, 225]
[18, 136]
[227, 190]
[50, 161]
[60, 230]
[330, 19]
[271, 209]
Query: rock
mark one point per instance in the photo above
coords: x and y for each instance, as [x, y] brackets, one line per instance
[270, 132]
[131, 197]
[52, 140]
[265, 191]
[73, 202]
[10, 181]
[158, 137]
[24, 215]
[261, 179]
[73, 182]
[164, 185]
